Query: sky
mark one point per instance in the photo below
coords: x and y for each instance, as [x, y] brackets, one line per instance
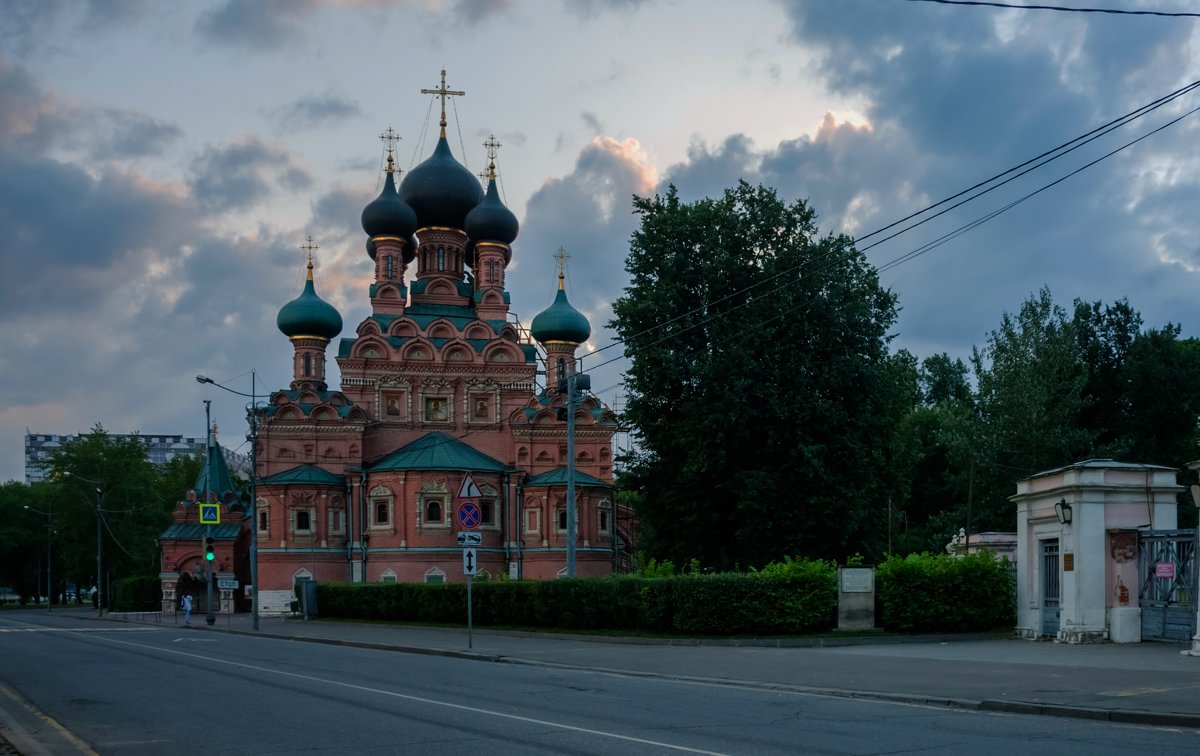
[162, 163]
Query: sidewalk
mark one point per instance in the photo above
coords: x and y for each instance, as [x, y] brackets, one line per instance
[1146, 683]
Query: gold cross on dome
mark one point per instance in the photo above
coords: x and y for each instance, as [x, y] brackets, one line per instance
[443, 93]
[492, 146]
[308, 247]
[389, 139]
[562, 257]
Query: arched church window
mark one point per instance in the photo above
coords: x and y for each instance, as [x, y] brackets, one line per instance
[390, 271]
[307, 365]
[441, 258]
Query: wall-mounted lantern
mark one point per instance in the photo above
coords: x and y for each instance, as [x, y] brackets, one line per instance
[1063, 510]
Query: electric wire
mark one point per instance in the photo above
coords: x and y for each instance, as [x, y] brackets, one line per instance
[1061, 8]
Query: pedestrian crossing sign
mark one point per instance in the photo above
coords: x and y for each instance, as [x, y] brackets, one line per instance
[210, 514]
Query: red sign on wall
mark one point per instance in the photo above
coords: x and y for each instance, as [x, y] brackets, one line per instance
[1164, 570]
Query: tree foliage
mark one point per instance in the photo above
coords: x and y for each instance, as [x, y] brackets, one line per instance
[761, 388]
[135, 502]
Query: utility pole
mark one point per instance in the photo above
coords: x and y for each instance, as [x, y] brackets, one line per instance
[209, 618]
[573, 383]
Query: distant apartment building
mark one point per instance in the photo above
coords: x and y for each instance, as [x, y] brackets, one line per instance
[159, 450]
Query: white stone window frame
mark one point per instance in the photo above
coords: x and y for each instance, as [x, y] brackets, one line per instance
[605, 508]
[262, 512]
[560, 516]
[535, 514]
[388, 576]
[435, 572]
[381, 495]
[444, 501]
[311, 511]
[493, 404]
[336, 516]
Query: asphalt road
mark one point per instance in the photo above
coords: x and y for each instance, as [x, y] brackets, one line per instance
[133, 689]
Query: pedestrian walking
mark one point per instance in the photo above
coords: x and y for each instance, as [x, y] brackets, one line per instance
[187, 609]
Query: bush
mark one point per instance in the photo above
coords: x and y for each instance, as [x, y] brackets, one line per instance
[943, 593]
[137, 594]
[796, 599]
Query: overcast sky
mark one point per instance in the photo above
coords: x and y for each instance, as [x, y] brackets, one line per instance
[161, 163]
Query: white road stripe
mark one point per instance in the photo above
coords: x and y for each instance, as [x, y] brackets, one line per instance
[419, 699]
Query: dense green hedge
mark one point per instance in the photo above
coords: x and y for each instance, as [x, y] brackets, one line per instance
[918, 593]
[926, 593]
[137, 594]
[726, 604]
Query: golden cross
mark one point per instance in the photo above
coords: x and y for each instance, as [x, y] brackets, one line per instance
[443, 93]
[389, 139]
[308, 247]
[562, 257]
[492, 146]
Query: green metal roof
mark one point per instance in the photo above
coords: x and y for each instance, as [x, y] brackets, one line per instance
[558, 477]
[214, 483]
[438, 451]
[304, 474]
[186, 531]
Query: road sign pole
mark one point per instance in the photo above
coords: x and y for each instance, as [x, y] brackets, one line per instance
[209, 618]
[469, 618]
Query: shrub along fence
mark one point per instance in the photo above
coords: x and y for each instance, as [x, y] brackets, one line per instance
[915, 594]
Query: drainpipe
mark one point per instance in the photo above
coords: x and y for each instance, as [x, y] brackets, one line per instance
[350, 530]
[362, 522]
[504, 531]
[520, 530]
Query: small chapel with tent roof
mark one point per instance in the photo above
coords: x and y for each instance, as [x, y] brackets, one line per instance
[440, 403]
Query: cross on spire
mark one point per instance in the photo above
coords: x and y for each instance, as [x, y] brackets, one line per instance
[389, 139]
[561, 256]
[443, 93]
[308, 246]
[492, 146]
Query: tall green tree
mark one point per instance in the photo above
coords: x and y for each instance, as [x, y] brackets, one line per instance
[761, 389]
[133, 502]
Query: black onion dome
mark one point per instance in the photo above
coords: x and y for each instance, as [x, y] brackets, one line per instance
[388, 214]
[309, 315]
[410, 249]
[371, 248]
[441, 190]
[491, 220]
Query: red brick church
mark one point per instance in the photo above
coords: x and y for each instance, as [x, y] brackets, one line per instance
[444, 398]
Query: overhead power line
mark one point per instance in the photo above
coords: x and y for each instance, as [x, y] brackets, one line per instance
[1029, 165]
[1063, 9]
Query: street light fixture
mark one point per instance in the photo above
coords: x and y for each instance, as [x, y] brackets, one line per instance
[252, 437]
[99, 543]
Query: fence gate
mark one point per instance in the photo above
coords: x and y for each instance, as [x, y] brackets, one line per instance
[1051, 593]
[1167, 564]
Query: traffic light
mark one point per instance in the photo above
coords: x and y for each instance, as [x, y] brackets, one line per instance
[208, 549]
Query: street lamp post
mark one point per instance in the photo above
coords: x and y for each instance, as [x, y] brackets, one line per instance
[252, 437]
[99, 543]
[49, 554]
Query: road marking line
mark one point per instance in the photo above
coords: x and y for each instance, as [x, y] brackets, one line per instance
[78, 629]
[419, 699]
[1144, 691]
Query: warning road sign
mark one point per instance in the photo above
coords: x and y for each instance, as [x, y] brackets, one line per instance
[468, 489]
[210, 514]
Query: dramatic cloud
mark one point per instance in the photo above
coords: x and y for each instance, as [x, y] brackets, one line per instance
[314, 111]
[124, 134]
[240, 175]
[263, 23]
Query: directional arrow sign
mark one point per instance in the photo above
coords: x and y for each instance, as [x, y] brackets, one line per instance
[470, 563]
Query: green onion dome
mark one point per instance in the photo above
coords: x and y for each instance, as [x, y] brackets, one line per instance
[308, 314]
[388, 214]
[560, 321]
[441, 190]
[491, 220]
